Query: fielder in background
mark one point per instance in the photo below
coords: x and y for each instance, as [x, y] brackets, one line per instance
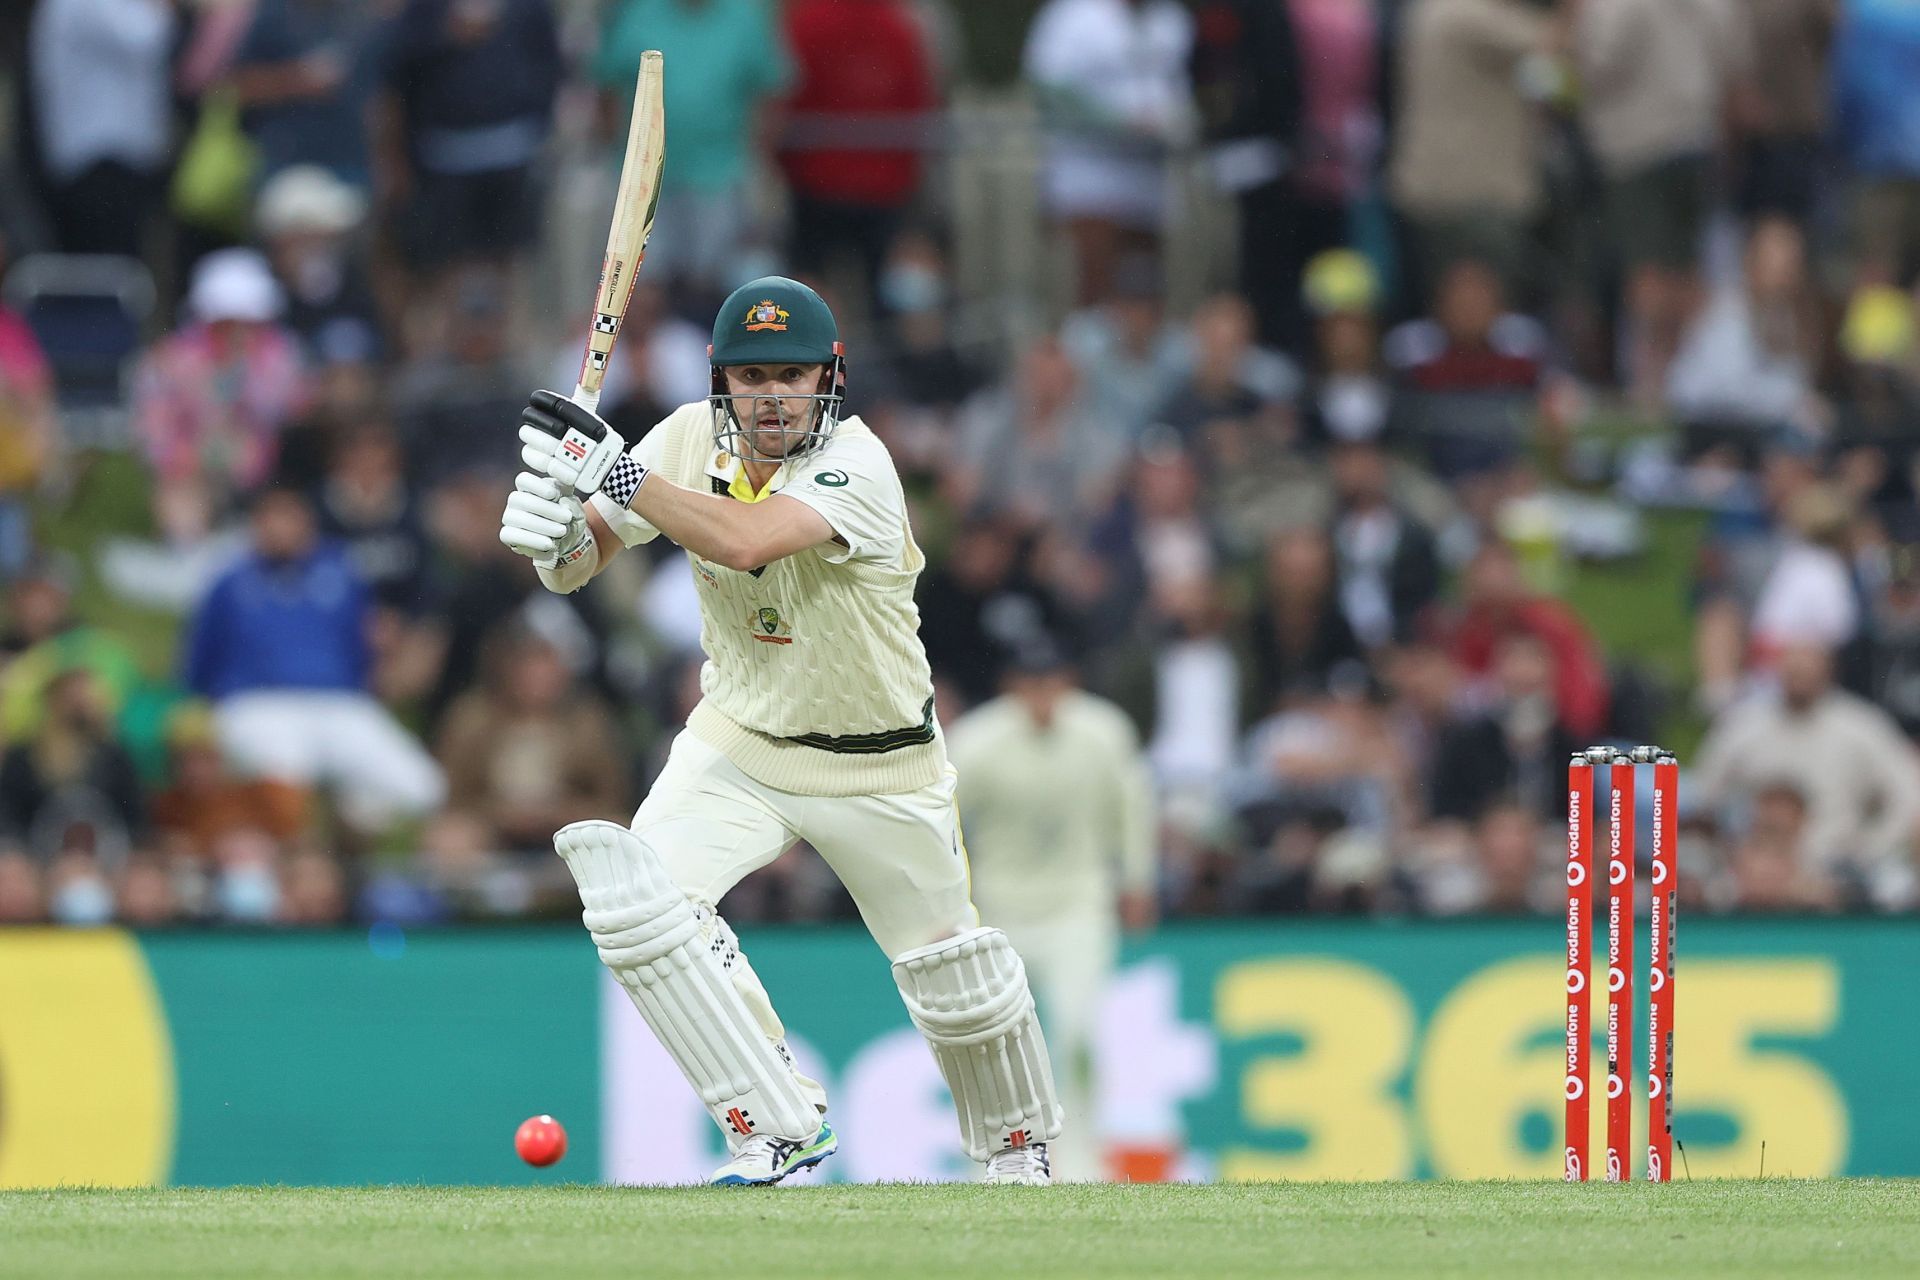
[816, 721]
[1059, 812]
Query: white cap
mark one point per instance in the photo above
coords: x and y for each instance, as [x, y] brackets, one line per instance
[306, 197]
[234, 284]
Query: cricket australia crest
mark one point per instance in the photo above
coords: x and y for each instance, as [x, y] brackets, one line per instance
[769, 627]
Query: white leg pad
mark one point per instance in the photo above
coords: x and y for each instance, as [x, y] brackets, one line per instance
[650, 936]
[968, 995]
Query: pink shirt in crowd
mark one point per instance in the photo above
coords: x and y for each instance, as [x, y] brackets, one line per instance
[213, 406]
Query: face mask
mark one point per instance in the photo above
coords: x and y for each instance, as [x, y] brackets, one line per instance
[82, 902]
[249, 894]
[909, 290]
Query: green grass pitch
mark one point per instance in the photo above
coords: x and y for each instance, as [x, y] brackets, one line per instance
[1780, 1227]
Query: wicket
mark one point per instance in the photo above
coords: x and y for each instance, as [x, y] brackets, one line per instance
[1584, 779]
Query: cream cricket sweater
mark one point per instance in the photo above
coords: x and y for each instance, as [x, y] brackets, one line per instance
[815, 681]
[1057, 819]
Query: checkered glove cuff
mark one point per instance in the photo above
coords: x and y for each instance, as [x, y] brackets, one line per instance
[624, 480]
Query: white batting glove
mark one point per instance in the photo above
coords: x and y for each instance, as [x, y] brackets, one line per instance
[571, 443]
[545, 523]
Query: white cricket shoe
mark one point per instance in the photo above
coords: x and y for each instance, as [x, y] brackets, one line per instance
[764, 1159]
[1023, 1166]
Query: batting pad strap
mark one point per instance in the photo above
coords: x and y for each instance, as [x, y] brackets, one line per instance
[969, 997]
[650, 939]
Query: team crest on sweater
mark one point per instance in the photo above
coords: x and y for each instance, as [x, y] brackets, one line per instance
[769, 627]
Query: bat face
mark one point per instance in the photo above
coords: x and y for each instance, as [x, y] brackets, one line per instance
[633, 213]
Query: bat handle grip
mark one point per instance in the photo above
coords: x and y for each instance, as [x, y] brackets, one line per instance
[588, 400]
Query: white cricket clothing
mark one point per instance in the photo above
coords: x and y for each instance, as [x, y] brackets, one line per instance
[100, 83]
[969, 997]
[816, 681]
[899, 855]
[683, 971]
[1059, 821]
[339, 738]
[1056, 816]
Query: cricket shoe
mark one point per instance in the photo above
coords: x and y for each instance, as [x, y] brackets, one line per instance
[763, 1159]
[1023, 1166]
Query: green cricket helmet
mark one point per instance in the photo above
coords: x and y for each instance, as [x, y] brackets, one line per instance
[770, 322]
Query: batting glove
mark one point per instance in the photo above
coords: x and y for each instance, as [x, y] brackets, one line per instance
[576, 447]
[545, 523]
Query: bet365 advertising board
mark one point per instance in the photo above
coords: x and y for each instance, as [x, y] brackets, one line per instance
[1250, 1051]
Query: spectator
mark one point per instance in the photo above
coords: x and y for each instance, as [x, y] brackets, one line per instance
[46, 639]
[451, 401]
[204, 803]
[306, 219]
[527, 751]
[313, 890]
[1347, 396]
[364, 502]
[1471, 377]
[1877, 432]
[1298, 636]
[1846, 756]
[922, 369]
[1232, 384]
[1465, 168]
[1742, 547]
[279, 645]
[860, 114]
[72, 787]
[79, 892]
[1767, 868]
[1035, 447]
[210, 400]
[1386, 562]
[305, 76]
[980, 607]
[1157, 538]
[1497, 605]
[1808, 597]
[1656, 80]
[1876, 116]
[29, 432]
[1321, 757]
[1500, 873]
[1516, 749]
[22, 896]
[1125, 349]
[1194, 742]
[1786, 125]
[729, 65]
[100, 103]
[1338, 146]
[144, 895]
[466, 107]
[1748, 361]
[1112, 80]
[1247, 87]
[477, 590]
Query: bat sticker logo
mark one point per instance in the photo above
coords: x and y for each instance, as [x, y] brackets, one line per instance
[604, 323]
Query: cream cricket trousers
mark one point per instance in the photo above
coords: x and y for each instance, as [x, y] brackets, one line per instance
[899, 856]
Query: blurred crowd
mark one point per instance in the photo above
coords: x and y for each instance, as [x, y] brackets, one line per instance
[1516, 285]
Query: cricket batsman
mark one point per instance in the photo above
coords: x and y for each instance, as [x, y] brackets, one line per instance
[816, 722]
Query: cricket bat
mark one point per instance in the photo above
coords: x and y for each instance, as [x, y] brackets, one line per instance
[633, 210]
